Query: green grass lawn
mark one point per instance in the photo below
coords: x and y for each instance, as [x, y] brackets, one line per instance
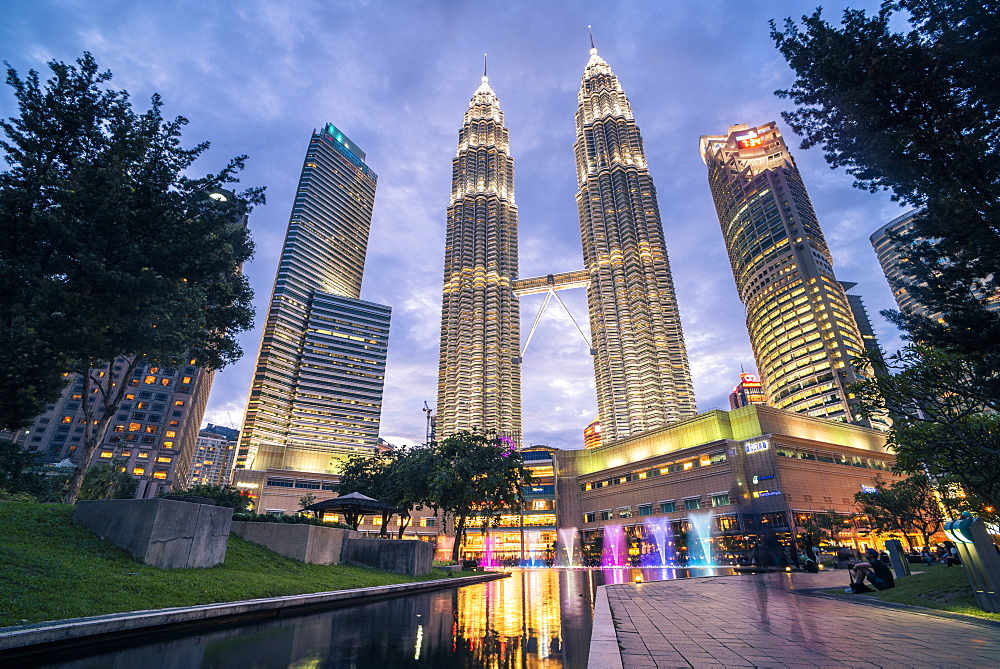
[52, 569]
[938, 587]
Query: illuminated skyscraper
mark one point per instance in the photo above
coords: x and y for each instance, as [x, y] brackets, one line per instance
[748, 391]
[316, 394]
[891, 254]
[479, 381]
[640, 363]
[800, 323]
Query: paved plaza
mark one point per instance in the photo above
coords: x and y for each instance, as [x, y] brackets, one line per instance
[759, 621]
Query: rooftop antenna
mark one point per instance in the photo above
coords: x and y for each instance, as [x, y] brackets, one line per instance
[591, 30]
[484, 65]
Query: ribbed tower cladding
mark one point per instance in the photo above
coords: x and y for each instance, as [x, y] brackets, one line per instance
[640, 363]
[479, 381]
[316, 394]
[803, 333]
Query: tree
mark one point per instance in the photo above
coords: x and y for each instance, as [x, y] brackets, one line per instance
[918, 114]
[945, 418]
[108, 481]
[903, 506]
[477, 477]
[108, 250]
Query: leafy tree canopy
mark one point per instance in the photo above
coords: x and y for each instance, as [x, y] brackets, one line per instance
[907, 506]
[916, 113]
[945, 418]
[107, 247]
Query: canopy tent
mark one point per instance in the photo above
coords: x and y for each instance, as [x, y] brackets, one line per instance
[354, 506]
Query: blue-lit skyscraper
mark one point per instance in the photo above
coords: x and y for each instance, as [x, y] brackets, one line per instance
[316, 394]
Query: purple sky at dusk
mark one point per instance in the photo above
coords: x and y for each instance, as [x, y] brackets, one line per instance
[256, 77]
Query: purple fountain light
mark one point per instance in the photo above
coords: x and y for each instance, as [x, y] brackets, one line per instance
[614, 546]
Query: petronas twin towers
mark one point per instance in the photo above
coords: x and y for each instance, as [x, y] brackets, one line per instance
[640, 363]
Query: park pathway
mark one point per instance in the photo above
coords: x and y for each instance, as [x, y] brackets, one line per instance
[760, 621]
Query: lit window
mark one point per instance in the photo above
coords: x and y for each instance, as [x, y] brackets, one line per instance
[134, 427]
[130, 396]
[67, 419]
[143, 454]
[119, 428]
[625, 512]
[178, 403]
[154, 370]
[138, 471]
[164, 382]
[106, 454]
[186, 379]
[142, 405]
[159, 475]
[721, 499]
[150, 429]
[168, 444]
[170, 433]
[166, 458]
[150, 380]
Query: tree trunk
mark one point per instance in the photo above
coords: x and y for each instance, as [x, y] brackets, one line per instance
[459, 535]
[404, 522]
[112, 392]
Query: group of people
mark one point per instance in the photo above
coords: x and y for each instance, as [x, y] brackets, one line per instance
[946, 554]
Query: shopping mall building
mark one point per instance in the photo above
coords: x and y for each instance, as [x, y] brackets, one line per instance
[751, 475]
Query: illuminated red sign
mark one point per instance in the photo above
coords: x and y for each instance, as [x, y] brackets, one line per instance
[750, 142]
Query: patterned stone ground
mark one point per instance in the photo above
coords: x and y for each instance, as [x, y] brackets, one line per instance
[756, 621]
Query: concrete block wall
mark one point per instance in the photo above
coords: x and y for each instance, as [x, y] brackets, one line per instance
[163, 533]
[413, 558]
[307, 543]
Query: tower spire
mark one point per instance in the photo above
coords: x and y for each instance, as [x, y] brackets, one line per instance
[593, 49]
[485, 78]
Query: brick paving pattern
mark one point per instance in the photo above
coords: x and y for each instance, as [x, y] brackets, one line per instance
[755, 621]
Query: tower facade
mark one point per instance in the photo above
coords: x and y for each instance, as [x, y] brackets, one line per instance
[891, 252]
[640, 362]
[803, 333]
[479, 381]
[316, 394]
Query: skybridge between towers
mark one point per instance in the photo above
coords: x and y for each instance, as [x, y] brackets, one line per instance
[549, 284]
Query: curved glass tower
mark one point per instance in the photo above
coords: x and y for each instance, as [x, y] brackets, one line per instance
[640, 362]
[479, 381]
[801, 327]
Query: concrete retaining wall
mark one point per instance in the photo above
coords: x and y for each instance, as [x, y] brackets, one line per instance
[161, 532]
[306, 543]
[413, 558]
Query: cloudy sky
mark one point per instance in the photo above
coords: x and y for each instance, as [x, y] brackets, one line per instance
[257, 76]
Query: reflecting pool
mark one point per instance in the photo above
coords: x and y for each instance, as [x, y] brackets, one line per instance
[534, 618]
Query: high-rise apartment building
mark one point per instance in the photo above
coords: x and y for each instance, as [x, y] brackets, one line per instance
[801, 327]
[152, 435]
[891, 252]
[316, 395]
[640, 362]
[214, 456]
[479, 381]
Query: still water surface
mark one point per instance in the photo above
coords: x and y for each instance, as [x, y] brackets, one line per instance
[536, 618]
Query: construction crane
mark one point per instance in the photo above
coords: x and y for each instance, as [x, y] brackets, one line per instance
[427, 434]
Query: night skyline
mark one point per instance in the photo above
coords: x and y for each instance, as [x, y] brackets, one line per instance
[255, 78]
